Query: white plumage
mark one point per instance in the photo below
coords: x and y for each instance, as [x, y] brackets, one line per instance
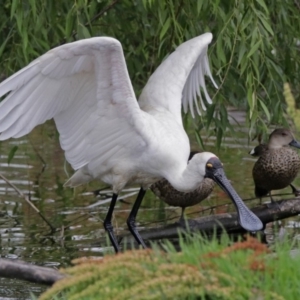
[105, 133]
[86, 88]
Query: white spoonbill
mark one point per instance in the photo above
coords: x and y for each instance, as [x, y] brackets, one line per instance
[105, 133]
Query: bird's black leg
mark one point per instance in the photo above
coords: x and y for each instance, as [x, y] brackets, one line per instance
[272, 200]
[296, 192]
[181, 219]
[108, 225]
[132, 216]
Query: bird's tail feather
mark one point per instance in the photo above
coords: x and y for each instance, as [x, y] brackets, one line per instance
[78, 178]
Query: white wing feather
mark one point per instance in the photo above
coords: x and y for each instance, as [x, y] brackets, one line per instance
[86, 88]
[177, 80]
[194, 81]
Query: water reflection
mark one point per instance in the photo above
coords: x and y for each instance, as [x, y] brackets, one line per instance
[39, 171]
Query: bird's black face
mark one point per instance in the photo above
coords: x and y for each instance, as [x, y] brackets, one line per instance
[215, 171]
[247, 219]
[212, 167]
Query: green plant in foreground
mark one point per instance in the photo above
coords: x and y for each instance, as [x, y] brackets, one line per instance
[202, 270]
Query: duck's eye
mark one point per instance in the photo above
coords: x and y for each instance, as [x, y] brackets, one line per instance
[283, 134]
[209, 165]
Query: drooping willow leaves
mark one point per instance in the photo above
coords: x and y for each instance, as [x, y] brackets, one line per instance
[254, 51]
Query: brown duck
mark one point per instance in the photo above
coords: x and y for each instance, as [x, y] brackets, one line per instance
[164, 190]
[278, 164]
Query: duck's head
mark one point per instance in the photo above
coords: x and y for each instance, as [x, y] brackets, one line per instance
[212, 168]
[282, 137]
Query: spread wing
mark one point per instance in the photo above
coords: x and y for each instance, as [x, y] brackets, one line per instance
[86, 88]
[178, 79]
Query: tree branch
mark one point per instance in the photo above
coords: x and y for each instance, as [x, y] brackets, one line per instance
[29, 202]
[104, 10]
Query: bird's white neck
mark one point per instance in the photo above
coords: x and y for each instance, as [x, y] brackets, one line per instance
[188, 179]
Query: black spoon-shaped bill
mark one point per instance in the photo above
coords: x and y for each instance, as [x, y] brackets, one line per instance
[246, 218]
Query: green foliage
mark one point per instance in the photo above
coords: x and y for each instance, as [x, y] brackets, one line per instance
[255, 47]
[11, 153]
[291, 106]
[202, 270]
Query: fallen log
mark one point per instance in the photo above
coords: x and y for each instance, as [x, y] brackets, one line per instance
[25, 271]
[217, 223]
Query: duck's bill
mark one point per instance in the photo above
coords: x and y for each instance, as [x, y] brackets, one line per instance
[246, 218]
[294, 143]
